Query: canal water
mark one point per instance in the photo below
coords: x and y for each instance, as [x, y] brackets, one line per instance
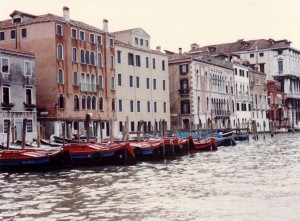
[256, 180]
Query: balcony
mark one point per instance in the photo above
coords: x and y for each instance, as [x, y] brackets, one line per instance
[184, 91]
[29, 107]
[88, 88]
[7, 106]
[221, 113]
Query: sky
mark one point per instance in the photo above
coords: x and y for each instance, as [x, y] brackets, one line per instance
[179, 23]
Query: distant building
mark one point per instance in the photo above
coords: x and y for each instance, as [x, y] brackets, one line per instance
[277, 59]
[277, 111]
[75, 66]
[201, 92]
[142, 83]
[18, 93]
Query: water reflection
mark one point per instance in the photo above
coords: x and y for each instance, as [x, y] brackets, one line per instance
[252, 181]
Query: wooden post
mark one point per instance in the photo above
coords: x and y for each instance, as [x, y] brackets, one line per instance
[87, 127]
[64, 133]
[264, 125]
[24, 132]
[38, 135]
[13, 132]
[139, 130]
[123, 133]
[8, 134]
[111, 130]
[78, 131]
[127, 128]
[101, 132]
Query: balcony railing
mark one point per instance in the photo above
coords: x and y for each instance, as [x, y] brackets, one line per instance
[183, 91]
[29, 106]
[221, 113]
[7, 106]
[88, 88]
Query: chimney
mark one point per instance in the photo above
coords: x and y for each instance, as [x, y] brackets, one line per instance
[66, 13]
[105, 25]
[158, 48]
[180, 50]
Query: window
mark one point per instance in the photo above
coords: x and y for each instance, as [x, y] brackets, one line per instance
[6, 94]
[61, 101]
[76, 102]
[165, 107]
[185, 107]
[279, 52]
[120, 106]
[154, 84]
[13, 34]
[81, 35]
[2, 36]
[83, 102]
[112, 83]
[155, 107]
[75, 78]
[93, 103]
[82, 56]
[237, 106]
[4, 65]
[153, 63]
[74, 54]
[92, 58]
[148, 83]
[101, 104]
[119, 57]
[88, 103]
[59, 30]
[92, 38]
[59, 52]
[280, 66]
[130, 59]
[138, 61]
[60, 76]
[136, 41]
[27, 68]
[148, 106]
[262, 68]
[141, 42]
[164, 85]
[111, 42]
[147, 62]
[132, 125]
[235, 71]
[24, 33]
[29, 126]
[251, 55]
[5, 125]
[87, 57]
[28, 95]
[137, 82]
[119, 80]
[138, 106]
[261, 54]
[74, 33]
[112, 62]
[183, 68]
[163, 65]
[100, 81]
[120, 126]
[130, 81]
[99, 60]
[99, 39]
[147, 43]
[131, 106]
[257, 81]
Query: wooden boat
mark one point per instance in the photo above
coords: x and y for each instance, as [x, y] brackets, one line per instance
[29, 159]
[207, 144]
[181, 146]
[95, 154]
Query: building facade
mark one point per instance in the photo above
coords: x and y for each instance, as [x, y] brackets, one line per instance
[17, 94]
[142, 83]
[75, 66]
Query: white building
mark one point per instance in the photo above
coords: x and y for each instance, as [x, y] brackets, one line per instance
[142, 82]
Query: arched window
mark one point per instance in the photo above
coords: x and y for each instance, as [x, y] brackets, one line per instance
[112, 62]
[88, 102]
[101, 104]
[82, 56]
[75, 78]
[93, 83]
[99, 60]
[76, 102]
[74, 54]
[82, 82]
[88, 83]
[60, 76]
[59, 52]
[112, 83]
[92, 58]
[61, 101]
[113, 105]
[94, 103]
[87, 57]
[100, 81]
[83, 102]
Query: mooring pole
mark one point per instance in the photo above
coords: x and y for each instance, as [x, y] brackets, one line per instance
[24, 132]
[8, 134]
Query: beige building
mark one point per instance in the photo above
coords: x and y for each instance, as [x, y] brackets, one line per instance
[75, 66]
[142, 82]
[201, 92]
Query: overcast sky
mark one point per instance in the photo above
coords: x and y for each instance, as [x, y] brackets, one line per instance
[179, 23]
